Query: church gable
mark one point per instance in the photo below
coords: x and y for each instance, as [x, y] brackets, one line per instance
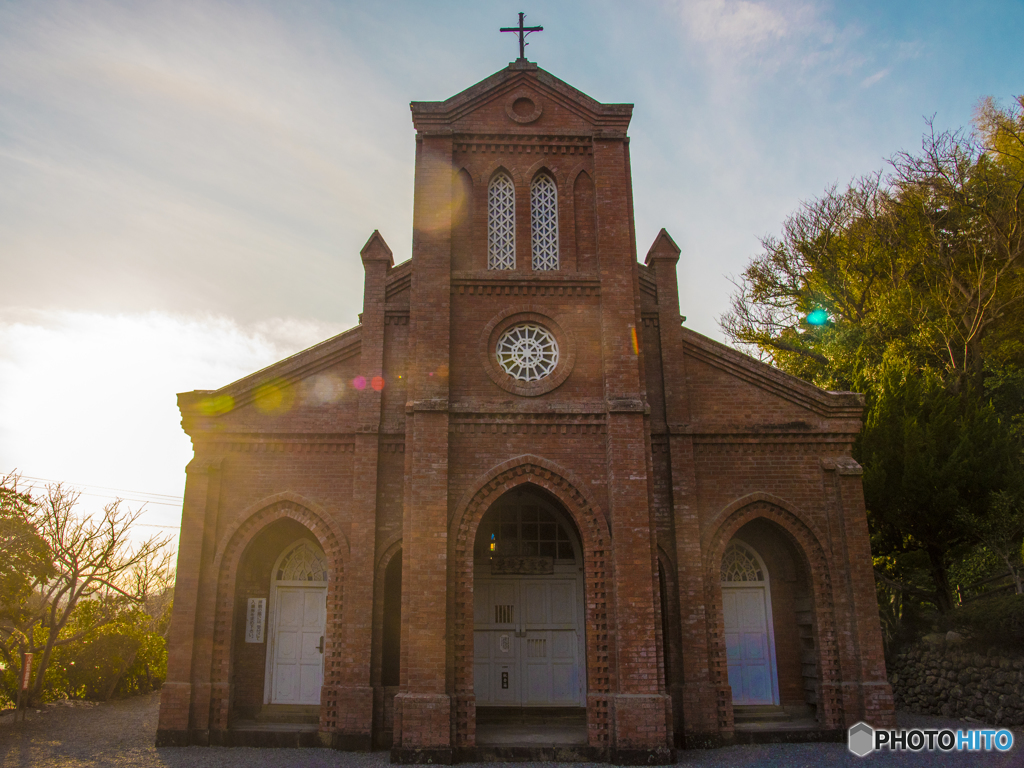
[521, 99]
[313, 390]
[733, 392]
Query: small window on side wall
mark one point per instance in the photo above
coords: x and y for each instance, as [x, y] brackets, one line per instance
[501, 223]
[544, 222]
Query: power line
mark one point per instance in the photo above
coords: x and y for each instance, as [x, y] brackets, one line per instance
[178, 499]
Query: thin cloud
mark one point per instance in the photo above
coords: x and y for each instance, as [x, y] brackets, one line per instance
[180, 156]
[867, 82]
[742, 25]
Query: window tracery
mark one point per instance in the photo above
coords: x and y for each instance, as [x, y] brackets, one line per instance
[501, 224]
[740, 564]
[544, 222]
[527, 352]
[303, 563]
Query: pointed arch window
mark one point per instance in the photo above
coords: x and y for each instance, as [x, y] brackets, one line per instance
[501, 223]
[303, 563]
[740, 564]
[544, 218]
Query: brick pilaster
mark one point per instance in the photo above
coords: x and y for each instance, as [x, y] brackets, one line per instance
[697, 689]
[423, 722]
[866, 693]
[184, 698]
[353, 689]
[640, 708]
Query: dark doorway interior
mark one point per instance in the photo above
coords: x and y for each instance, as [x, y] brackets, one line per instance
[392, 631]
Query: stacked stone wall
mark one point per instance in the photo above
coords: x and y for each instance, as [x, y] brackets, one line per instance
[956, 682]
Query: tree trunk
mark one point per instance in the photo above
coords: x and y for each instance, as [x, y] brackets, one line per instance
[943, 593]
[125, 666]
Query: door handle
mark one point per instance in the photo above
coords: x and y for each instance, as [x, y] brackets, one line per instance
[321, 643]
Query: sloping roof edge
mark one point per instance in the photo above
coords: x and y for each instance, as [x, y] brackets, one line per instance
[843, 405]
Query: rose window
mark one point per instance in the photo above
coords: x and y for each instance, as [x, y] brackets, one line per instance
[527, 352]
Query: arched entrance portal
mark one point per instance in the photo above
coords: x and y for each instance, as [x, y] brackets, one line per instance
[529, 633]
[298, 608]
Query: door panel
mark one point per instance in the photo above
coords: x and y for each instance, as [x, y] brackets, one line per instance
[527, 637]
[747, 645]
[298, 660]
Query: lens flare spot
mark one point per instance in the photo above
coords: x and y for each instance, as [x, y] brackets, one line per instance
[359, 382]
[217, 405]
[327, 389]
[636, 343]
[274, 397]
[377, 382]
[817, 317]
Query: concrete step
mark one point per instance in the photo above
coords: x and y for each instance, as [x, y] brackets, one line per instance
[289, 713]
[562, 716]
[760, 714]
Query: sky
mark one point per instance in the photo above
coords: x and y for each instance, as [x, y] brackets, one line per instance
[185, 187]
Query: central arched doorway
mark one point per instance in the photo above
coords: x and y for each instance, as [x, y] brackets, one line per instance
[529, 627]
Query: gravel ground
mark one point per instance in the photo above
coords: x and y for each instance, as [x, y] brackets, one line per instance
[122, 733]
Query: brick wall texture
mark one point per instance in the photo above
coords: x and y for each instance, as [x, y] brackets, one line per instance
[395, 438]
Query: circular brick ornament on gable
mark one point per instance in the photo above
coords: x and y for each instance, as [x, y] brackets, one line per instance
[523, 107]
[526, 352]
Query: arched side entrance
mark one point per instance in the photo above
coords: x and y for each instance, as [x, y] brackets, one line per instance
[800, 592]
[244, 571]
[296, 626]
[592, 529]
[749, 627]
[528, 632]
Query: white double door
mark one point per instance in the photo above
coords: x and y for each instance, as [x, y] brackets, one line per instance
[297, 658]
[749, 645]
[528, 642]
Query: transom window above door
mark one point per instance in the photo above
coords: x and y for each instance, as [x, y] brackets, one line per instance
[524, 530]
[740, 564]
[303, 563]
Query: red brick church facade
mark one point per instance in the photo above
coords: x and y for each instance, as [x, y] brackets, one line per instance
[520, 482]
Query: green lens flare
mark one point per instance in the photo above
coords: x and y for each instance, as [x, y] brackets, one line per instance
[817, 317]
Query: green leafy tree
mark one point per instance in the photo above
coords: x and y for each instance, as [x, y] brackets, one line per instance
[909, 286]
[95, 572]
[933, 471]
[25, 562]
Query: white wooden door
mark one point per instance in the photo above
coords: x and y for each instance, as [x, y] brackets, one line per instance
[298, 671]
[527, 643]
[748, 645]
[551, 663]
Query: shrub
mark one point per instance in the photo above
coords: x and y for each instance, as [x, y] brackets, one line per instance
[996, 620]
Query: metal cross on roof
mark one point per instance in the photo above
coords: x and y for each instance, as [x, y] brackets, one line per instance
[522, 32]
